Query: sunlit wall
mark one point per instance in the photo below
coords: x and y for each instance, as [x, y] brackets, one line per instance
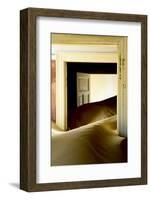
[102, 86]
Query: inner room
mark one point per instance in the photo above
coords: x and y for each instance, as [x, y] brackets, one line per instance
[88, 99]
[89, 86]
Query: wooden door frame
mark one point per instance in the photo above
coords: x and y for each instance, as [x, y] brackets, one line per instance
[28, 65]
[61, 80]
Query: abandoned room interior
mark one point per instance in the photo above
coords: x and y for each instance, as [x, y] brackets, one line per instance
[88, 99]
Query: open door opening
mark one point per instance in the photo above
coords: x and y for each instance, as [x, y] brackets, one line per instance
[91, 92]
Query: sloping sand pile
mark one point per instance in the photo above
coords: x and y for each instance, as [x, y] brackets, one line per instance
[94, 143]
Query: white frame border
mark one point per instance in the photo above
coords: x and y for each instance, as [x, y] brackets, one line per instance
[132, 169]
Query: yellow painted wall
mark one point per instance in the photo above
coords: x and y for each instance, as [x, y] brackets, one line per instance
[102, 86]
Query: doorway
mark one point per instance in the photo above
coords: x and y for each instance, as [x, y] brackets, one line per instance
[72, 48]
[89, 83]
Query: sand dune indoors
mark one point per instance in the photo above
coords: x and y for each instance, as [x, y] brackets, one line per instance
[94, 143]
[92, 112]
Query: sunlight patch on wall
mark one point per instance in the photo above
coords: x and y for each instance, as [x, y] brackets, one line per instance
[102, 86]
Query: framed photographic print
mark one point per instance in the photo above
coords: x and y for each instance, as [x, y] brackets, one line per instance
[83, 99]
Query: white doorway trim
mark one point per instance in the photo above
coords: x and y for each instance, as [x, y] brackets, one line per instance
[61, 78]
[119, 57]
